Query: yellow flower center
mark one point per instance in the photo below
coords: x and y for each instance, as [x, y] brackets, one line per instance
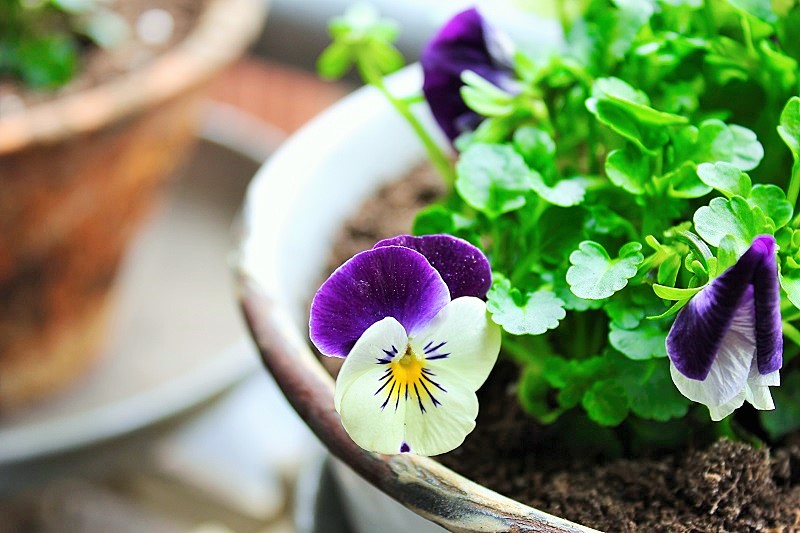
[408, 378]
[407, 370]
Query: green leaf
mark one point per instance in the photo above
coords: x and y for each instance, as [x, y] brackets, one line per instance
[536, 146]
[717, 141]
[648, 340]
[772, 201]
[627, 112]
[668, 270]
[433, 219]
[560, 232]
[624, 313]
[675, 293]
[761, 9]
[727, 253]
[606, 403]
[726, 178]
[47, 62]
[533, 393]
[573, 377]
[335, 60]
[565, 193]
[685, 183]
[789, 128]
[492, 178]
[594, 275]
[628, 169]
[786, 416]
[603, 221]
[733, 217]
[650, 390]
[485, 98]
[790, 282]
[528, 314]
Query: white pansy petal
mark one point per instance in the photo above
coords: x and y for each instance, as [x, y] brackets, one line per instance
[730, 369]
[461, 343]
[759, 397]
[435, 427]
[380, 343]
[374, 421]
[757, 391]
[721, 411]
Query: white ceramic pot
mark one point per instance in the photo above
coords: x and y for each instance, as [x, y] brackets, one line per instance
[294, 209]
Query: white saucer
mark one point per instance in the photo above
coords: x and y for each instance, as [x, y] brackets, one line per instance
[177, 334]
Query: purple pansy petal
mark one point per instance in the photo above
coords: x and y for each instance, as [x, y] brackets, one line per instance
[696, 335]
[769, 331]
[463, 267]
[460, 45]
[389, 281]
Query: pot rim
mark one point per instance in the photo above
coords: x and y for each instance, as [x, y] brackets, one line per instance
[420, 483]
[224, 29]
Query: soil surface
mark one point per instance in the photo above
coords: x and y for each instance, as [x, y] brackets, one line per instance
[98, 65]
[727, 486]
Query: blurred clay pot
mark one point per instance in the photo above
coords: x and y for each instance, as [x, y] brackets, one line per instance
[295, 206]
[77, 175]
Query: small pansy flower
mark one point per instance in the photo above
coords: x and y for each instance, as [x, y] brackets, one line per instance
[409, 318]
[726, 345]
[465, 42]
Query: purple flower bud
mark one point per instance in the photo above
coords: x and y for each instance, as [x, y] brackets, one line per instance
[466, 42]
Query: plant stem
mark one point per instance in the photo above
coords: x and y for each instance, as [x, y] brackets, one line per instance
[794, 187]
[791, 332]
[437, 156]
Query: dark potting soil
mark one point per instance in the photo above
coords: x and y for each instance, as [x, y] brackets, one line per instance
[99, 65]
[728, 486]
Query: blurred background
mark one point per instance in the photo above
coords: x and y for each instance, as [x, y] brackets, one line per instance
[174, 426]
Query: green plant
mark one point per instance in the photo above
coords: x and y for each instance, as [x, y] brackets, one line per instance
[40, 40]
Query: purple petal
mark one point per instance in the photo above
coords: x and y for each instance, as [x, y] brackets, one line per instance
[769, 331]
[463, 267]
[695, 337]
[389, 281]
[460, 45]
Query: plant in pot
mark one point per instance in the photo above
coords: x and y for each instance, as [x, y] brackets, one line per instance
[618, 224]
[87, 135]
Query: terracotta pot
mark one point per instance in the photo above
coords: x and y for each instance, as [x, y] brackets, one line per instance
[294, 208]
[77, 174]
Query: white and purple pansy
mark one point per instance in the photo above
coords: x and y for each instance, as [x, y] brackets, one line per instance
[726, 345]
[410, 320]
[465, 43]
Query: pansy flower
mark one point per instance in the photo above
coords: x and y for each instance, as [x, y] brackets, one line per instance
[409, 318]
[726, 345]
[465, 42]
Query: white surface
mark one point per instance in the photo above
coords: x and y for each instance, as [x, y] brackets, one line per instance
[176, 330]
[296, 205]
[241, 450]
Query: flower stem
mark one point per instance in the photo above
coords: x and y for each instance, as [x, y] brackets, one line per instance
[438, 157]
[794, 188]
[791, 332]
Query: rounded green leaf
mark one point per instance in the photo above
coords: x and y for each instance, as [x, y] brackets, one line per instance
[628, 169]
[594, 275]
[528, 314]
[493, 178]
[606, 403]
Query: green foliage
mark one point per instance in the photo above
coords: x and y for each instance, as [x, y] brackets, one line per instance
[362, 39]
[594, 275]
[668, 130]
[786, 416]
[40, 42]
[493, 179]
[523, 314]
[734, 217]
